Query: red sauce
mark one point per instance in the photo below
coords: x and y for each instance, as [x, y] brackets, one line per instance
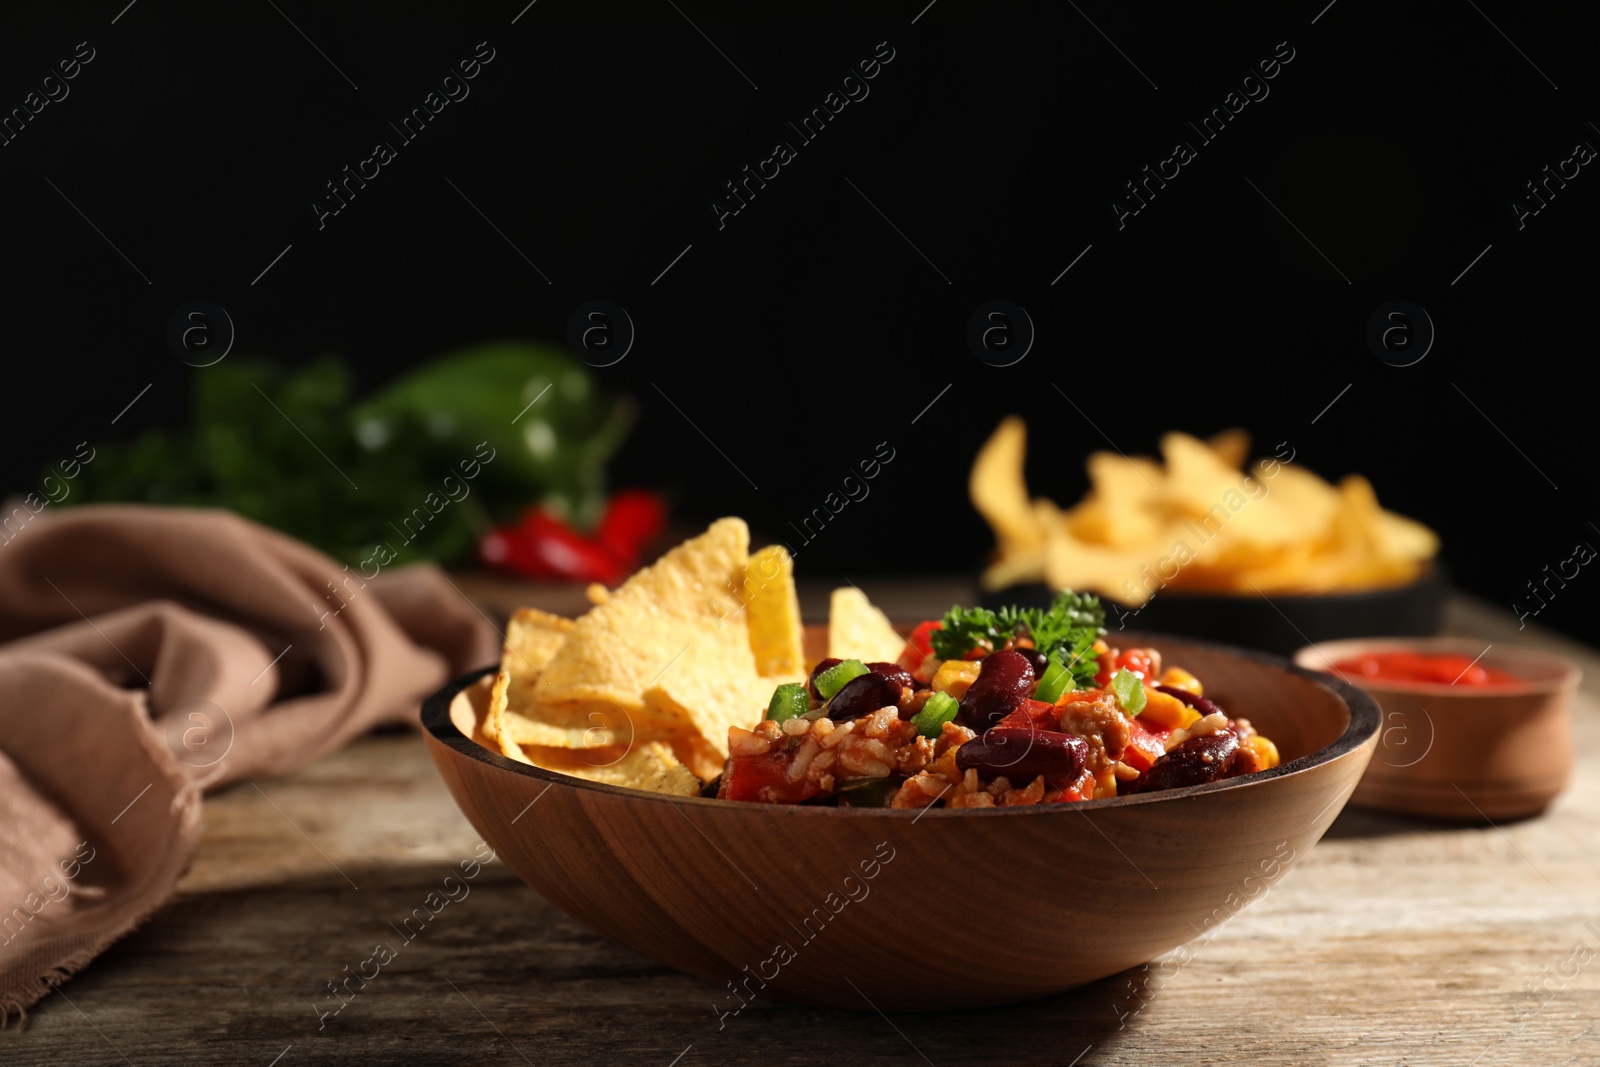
[1437, 668]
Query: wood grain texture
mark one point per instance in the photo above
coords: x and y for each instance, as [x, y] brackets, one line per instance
[1394, 941]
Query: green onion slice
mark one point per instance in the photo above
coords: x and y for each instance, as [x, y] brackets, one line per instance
[940, 709]
[1129, 689]
[1057, 680]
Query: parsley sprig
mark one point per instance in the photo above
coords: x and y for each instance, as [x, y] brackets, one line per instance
[1066, 630]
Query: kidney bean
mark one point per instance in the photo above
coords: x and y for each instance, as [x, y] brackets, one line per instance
[862, 695]
[1036, 659]
[1193, 762]
[894, 672]
[1198, 703]
[1003, 683]
[811, 682]
[1022, 755]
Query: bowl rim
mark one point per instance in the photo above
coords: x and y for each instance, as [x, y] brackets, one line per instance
[1365, 719]
[1564, 673]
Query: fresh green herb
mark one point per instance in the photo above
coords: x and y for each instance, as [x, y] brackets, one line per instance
[940, 709]
[788, 701]
[438, 452]
[1055, 681]
[832, 680]
[1129, 688]
[1068, 629]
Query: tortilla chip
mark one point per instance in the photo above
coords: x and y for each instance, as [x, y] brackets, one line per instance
[1232, 446]
[582, 724]
[493, 719]
[998, 489]
[857, 630]
[650, 766]
[698, 754]
[772, 611]
[532, 639]
[597, 593]
[620, 648]
[700, 696]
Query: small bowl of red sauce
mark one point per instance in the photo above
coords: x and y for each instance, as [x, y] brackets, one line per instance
[1471, 730]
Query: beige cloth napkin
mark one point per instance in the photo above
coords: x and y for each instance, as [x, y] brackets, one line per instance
[148, 654]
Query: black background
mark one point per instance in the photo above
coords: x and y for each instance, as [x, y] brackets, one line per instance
[808, 329]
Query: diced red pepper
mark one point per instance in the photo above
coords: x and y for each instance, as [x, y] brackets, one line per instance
[918, 652]
[1082, 789]
[1074, 697]
[1146, 745]
[1136, 660]
[765, 780]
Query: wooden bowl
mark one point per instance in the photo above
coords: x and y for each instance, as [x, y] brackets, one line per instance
[1462, 752]
[906, 910]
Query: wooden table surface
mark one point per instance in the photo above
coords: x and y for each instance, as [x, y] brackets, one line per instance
[1393, 942]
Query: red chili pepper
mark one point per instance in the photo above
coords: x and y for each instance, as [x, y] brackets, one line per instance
[765, 780]
[568, 553]
[504, 549]
[632, 519]
[542, 546]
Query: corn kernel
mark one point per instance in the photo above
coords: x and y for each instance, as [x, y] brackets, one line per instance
[955, 675]
[1265, 751]
[1178, 678]
[1164, 709]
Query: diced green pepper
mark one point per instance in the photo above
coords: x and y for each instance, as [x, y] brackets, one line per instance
[940, 709]
[1129, 688]
[832, 680]
[787, 702]
[1057, 678]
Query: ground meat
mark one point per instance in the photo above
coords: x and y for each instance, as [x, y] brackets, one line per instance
[1103, 726]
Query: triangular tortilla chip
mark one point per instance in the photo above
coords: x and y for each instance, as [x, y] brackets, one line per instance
[857, 630]
[998, 489]
[699, 755]
[494, 720]
[650, 766]
[620, 648]
[772, 610]
[584, 724]
[532, 638]
[704, 696]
